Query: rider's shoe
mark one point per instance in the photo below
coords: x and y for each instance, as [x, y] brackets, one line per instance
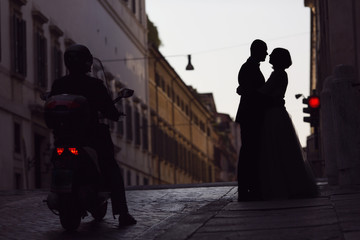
[126, 220]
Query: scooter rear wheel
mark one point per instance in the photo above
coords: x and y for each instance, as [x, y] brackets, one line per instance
[69, 214]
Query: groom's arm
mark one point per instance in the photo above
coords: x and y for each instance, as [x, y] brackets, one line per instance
[245, 80]
[269, 101]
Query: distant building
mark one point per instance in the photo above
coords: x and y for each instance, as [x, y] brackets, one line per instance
[182, 136]
[227, 146]
[34, 35]
[228, 141]
[191, 142]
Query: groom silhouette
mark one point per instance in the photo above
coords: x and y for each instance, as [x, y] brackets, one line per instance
[249, 116]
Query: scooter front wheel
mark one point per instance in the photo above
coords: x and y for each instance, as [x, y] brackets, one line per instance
[100, 212]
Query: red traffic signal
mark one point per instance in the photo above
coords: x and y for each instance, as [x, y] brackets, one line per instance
[314, 102]
[313, 107]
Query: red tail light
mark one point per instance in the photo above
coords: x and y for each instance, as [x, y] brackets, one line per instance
[74, 151]
[50, 104]
[59, 151]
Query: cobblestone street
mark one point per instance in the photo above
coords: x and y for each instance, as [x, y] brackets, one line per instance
[25, 216]
[194, 212]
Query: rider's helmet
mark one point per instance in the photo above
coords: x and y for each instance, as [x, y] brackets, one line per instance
[78, 59]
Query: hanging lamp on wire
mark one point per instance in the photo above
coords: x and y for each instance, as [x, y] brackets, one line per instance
[189, 66]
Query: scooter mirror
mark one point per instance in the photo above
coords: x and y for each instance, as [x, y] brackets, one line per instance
[126, 92]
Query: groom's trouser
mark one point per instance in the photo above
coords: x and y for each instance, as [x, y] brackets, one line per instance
[248, 177]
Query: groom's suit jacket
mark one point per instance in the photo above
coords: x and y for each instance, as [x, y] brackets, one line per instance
[250, 79]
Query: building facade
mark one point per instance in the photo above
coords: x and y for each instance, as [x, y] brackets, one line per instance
[334, 38]
[334, 65]
[34, 35]
[168, 133]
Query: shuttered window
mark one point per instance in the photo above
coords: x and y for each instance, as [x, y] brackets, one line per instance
[18, 29]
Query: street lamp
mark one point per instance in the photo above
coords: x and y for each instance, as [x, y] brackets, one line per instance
[189, 67]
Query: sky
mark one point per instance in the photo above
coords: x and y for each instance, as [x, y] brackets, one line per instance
[218, 34]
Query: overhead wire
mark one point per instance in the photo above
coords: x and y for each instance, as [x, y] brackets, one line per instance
[204, 51]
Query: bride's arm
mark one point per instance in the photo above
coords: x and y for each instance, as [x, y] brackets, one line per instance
[272, 92]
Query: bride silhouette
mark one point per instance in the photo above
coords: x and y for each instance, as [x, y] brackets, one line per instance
[283, 172]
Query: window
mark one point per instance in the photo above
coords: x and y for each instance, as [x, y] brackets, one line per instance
[120, 127]
[176, 152]
[157, 79]
[120, 122]
[57, 66]
[128, 177]
[196, 120]
[17, 138]
[210, 174]
[167, 143]
[18, 35]
[180, 155]
[184, 157]
[137, 127]
[202, 126]
[187, 161]
[163, 84]
[145, 133]
[154, 139]
[168, 91]
[40, 59]
[129, 134]
[18, 181]
[40, 46]
[56, 54]
[203, 171]
[140, 11]
[161, 144]
[133, 6]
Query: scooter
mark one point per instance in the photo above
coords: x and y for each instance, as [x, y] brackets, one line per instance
[77, 186]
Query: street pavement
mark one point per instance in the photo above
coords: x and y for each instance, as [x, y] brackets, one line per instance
[205, 211]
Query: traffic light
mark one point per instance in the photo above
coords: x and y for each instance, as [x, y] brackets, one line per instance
[313, 107]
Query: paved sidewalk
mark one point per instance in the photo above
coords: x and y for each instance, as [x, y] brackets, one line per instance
[334, 215]
[207, 211]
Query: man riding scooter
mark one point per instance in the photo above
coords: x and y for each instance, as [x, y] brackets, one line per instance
[78, 60]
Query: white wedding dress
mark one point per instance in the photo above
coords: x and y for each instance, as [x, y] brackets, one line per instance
[282, 170]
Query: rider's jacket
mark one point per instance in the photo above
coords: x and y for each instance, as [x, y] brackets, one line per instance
[92, 89]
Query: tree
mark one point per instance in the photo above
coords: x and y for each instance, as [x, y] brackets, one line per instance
[153, 35]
